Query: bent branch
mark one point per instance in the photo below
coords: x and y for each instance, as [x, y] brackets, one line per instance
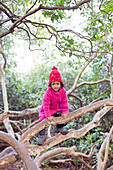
[105, 145]
[19, 149]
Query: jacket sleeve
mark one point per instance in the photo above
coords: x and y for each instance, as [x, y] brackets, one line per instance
[64, 102]
[46, 103]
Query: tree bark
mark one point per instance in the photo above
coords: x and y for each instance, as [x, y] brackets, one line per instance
[6, 120]
[29, 163]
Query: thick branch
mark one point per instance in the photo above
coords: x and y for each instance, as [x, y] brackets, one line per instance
[65, 8]
[37, 150]
[33, 150]
[5, 101]
[19, 149]
[19, 113]
[81, 111]
[59, 151]
[6, 151]
[111, 77]
[8, 159]
[105, 145]
[3, 55]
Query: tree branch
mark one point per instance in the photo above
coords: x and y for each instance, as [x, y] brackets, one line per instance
[82, 70]
[111, 77]
[105, 145]
[20, 20]
[92, 83]
[81, 101]
[59, 151]
[19, 149]
[41, 125]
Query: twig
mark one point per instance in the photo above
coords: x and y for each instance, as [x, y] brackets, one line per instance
[81, 160]
[81, 101]
[16, 126]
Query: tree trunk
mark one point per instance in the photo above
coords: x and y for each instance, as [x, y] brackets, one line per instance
[5, 101]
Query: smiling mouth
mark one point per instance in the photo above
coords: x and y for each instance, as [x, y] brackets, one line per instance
[55, 88]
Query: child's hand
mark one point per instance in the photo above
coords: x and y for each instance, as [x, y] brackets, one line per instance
[50, 118]
[65, 115]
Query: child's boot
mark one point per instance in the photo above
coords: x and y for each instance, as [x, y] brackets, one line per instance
[41, 140]
[41, 137]
[60, 128]
[63, 131]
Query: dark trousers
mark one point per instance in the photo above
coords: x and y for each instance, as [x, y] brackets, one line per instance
[57, 114]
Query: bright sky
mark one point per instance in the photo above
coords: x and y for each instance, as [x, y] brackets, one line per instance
[25, 58]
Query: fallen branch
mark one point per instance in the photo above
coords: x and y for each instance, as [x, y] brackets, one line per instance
[61, 161]
[59, 151]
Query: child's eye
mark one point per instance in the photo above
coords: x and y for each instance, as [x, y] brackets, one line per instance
[53, 84]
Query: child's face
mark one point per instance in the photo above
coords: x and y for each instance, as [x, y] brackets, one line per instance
[55, 85]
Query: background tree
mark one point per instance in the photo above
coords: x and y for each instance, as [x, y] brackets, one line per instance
[87, 74]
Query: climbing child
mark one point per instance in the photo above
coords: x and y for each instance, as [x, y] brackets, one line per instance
[55, 104]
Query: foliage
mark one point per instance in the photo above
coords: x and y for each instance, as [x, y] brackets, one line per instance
[26, 91]
[75, 50]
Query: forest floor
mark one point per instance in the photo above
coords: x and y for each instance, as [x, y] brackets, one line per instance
[19, 165]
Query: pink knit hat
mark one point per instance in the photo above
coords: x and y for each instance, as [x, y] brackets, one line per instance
[55, 76]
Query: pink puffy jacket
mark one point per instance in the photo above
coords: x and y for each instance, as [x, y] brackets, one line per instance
[52, 102]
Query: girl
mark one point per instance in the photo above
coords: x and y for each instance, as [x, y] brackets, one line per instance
[55, 103]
